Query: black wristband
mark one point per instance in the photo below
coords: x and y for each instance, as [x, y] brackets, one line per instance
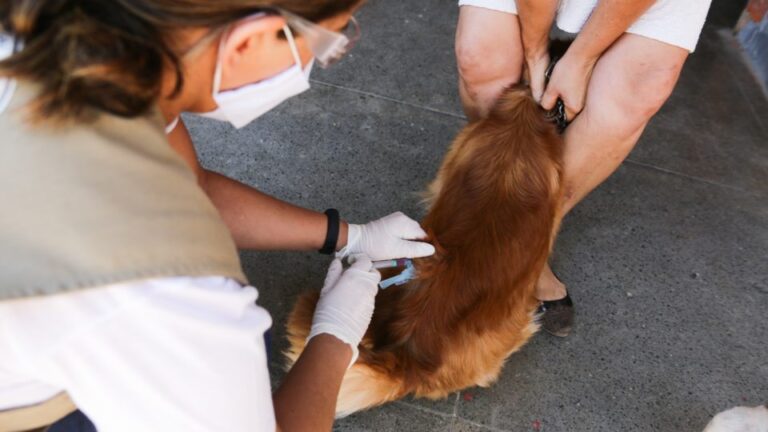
[332, 236]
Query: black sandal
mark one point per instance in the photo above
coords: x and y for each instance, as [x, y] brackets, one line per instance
[556, 316]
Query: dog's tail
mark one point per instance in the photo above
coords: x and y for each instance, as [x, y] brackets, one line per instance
[365, 385]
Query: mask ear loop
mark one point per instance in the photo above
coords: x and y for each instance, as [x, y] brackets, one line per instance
[172, 125]
[217, 71]
[292, 43]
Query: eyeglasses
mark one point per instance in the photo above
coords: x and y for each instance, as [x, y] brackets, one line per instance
[327, 46]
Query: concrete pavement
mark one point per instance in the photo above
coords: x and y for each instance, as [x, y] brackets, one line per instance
[667, 261]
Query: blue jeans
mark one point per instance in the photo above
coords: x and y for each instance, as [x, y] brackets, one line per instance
[75, 422]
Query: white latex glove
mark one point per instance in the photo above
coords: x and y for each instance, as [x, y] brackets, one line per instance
[387, 238]
[346, 302]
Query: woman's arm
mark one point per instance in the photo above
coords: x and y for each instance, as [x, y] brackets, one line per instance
[609, 20]
[278, 225]
[306, 399]
[259, 221]
[255, 219]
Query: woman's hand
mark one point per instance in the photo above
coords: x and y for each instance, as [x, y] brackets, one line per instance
[569, 81]
[393, 236]
[346, 302]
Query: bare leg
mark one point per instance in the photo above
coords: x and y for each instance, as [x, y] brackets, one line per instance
[629, 84]
[489, 54]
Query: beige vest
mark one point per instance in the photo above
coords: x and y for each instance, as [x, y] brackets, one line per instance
[101, 203]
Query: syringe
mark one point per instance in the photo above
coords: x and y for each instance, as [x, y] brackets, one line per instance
[402, 262]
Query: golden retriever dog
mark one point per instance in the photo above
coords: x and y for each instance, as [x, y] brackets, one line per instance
[493, 215]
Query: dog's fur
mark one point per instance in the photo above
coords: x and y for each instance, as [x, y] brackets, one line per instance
[493, 216]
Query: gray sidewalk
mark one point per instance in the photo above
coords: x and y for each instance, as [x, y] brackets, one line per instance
[667, 261]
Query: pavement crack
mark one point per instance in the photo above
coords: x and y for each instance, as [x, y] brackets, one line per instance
[389, 99]
[629, 161]
[423, 409]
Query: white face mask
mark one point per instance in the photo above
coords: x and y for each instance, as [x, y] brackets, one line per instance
[242, 105]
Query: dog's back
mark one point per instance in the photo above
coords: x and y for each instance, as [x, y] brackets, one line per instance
[493, 215]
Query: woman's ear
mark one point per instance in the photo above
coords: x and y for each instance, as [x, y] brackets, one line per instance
[250, 39]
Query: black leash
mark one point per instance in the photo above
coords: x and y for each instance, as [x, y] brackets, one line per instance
[557, 114]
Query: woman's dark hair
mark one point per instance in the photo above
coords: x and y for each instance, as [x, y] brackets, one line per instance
[109, 55]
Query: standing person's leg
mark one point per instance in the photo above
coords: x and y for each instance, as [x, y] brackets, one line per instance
[629, 84]
[489, 54]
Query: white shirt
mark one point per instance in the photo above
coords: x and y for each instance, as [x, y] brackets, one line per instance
[159, 354]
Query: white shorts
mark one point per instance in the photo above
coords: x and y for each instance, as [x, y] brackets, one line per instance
[676, 22]
[171, 354]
